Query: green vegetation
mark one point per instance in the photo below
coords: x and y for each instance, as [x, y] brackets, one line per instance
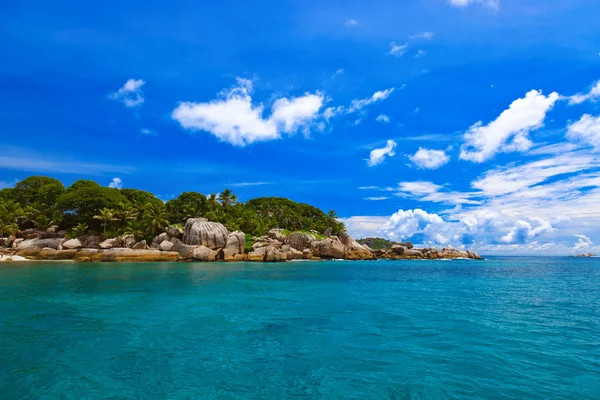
[377, 243]
[86, 207]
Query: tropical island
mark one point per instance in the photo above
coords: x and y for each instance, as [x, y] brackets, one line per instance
[40, 219]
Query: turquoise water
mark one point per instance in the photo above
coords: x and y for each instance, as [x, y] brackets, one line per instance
[505, 328]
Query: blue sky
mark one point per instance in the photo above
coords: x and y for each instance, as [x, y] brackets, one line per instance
[448, 122]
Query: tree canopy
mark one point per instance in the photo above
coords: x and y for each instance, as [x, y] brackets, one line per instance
[87, 207]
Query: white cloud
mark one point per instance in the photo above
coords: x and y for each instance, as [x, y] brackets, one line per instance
[423, 35]
[359, 104]
[383, 118]
[234, 119]
[502, 181]
[245, 184]
[116, 183]
[351, 22]
[593, 95]
[416, 110]
[397, 50]
[524, 231]
[429, 159]
[404, 225]
[420, 53]
[378, 155]
[586, 130]
[130, 93]
[428, 191]
[148, 132]
[482, 142]
[583, 242]
[494, 4]
[377, 198]
[337, 73]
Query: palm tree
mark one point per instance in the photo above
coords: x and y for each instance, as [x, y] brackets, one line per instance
[125, 213]
[212, 200]
[134, 228]
[227, 198]
[80, 229]
[105, 215]
[155, 217]
[42, 222]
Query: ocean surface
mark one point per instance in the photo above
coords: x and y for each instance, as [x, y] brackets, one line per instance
[504, 328]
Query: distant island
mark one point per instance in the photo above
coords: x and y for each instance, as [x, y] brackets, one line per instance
[40, 219]
[585, 255]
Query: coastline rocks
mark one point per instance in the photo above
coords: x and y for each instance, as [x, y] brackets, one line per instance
[236, 242]
[109, 243]
[355, 250]
[175, 231]
[257, 255]
[293, 254]
[141, 245]
[398, 249]
[203, 253]
[127, 241]
[51, 254]
[165, 246]
[72, 244]
[159, 239]
[130, 255]
[30, 252]
[332, 248]
[277, 234]
[300, 240]
[198, 231]
[7, 241]
[328, 231]
[273, 254]
[55, 244]
[90, 241]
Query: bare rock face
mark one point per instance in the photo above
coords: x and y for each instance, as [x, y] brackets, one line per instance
[328, 231]
[131, 255]
[141, 245]
[72, 244]
[307, 254]
[127, 241]
[55, 244]
[258, 255]
[300, 240]
[236, 242]
[109, 244]
[185, 252]
[159, 239]
[203, 253]
[17, 242]
[273, 254]
[355, 250]
[175, 231]
[293, 254]
[198, 231]
[90, 241]
[51, 254]
[277, 234]
[398, 249]
[330, 248]
[165, 246]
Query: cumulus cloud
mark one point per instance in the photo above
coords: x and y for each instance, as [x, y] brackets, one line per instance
[378, 155]
[397, 50]
[130, 93]
[494, 4]
[593, 95]
[423, 35]
[586, 131]
[429, 159]
[482, 142]
[403, 225]
[582, 242]
[523, 231]
[233, 118]
[116, 183]
[383, 118]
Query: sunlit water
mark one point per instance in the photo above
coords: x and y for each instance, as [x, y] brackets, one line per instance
[505, 328]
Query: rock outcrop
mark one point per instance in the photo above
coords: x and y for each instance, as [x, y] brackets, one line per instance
[72, 244]
[199, 231]
[236, 243]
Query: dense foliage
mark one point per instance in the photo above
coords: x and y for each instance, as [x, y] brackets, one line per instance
[377, 243]
[85, 206]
